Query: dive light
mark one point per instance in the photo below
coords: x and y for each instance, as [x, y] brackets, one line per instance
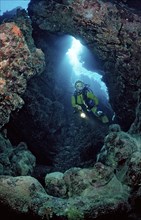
[82, 115]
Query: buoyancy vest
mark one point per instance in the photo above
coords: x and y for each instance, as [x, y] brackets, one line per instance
[89, 102]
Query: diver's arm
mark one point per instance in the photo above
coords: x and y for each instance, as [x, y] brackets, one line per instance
[74, 105]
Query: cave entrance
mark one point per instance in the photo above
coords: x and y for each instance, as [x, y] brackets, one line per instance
[46, 123]
[77, 62]
[83, 64]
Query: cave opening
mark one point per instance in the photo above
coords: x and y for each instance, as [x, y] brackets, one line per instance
[46, 123]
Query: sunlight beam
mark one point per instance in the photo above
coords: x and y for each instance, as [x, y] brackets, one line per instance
[74, 55]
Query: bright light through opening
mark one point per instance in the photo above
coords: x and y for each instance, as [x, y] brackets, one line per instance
[74, 51]
[74, 54]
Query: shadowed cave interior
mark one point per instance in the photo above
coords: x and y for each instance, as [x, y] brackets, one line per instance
[47, 123]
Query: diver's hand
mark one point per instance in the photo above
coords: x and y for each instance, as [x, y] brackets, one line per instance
[99, 113]
[79, 108]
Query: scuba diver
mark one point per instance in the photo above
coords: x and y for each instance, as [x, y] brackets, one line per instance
[84, 101]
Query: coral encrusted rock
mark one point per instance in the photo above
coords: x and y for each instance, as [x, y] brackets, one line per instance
[17, 65]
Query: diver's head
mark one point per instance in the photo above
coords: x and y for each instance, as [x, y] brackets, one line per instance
[79, 86]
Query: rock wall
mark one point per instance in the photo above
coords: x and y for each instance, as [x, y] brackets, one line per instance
[18, 63]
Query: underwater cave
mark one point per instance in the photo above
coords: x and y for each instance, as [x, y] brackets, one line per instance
[47, 122]
[81, 163]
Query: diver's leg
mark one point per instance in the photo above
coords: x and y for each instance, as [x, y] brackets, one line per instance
[102, 117]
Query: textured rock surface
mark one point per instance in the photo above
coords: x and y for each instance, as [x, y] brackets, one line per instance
[18, 192]
[122, 152]
[17, 65]
[87, 196]
[80, 193]
[17, 160]
[106, 189]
